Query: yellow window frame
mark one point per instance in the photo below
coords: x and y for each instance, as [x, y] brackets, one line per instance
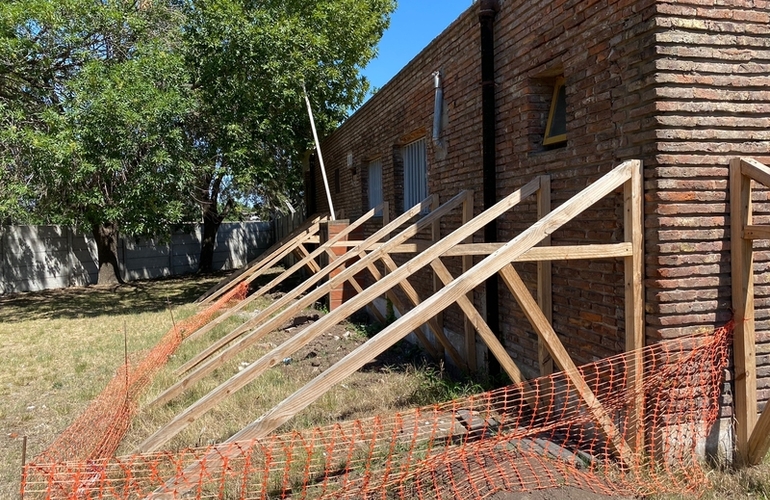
[554, 139]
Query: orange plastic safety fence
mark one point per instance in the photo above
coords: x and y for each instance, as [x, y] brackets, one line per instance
[98, 431]
[535, 435]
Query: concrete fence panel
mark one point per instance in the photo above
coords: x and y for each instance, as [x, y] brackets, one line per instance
[43, 257]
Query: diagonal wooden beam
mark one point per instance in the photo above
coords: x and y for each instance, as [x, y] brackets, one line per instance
[432, 323]
[304, 256]
[477, 321]
[281, 310]
[308, 228]
[269, 323]
[561, 357]
[442, 299]
[399, 307]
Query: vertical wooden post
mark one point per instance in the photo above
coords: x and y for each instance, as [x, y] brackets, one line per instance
[467, 263]
[23, 465]
[544, 288]
[435, 235]
[742, 263]
[337, 294]
[633, 201]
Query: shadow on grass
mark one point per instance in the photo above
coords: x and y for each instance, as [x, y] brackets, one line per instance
[135, 297]
[88, 302]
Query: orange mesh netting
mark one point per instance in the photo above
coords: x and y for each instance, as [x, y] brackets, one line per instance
[535, 435]
[98, 431]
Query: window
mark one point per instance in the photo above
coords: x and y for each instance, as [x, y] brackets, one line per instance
[415, 173]
[556, 127]
[337, 182]
[375, 184]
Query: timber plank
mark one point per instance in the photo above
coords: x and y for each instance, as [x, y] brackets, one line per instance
[544, 275]
[633, 265]
[544, 330]
[742, 267]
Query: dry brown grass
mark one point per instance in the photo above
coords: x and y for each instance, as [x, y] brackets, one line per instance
[60, 348]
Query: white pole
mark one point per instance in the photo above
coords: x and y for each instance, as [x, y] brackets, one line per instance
[318, 148]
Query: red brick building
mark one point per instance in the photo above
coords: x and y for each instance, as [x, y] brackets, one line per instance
[682, 85]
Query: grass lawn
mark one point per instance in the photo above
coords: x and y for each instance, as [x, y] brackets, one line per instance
[60, 348]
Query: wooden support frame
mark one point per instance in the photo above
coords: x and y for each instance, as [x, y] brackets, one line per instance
[276, 252]
[362, 299]
[283, 309]
[306, 260]
[468, 323]
[268, 323]
[545, 332]
[752, 436]
[456, 290]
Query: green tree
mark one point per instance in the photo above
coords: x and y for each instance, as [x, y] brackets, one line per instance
[248, 60]
[94, 98]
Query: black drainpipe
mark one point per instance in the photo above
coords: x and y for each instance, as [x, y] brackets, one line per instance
[487, 12]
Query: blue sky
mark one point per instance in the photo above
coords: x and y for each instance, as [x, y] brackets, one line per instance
[412, 27]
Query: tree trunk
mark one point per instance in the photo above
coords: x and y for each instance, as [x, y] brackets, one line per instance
[106, 236]
[211, 222]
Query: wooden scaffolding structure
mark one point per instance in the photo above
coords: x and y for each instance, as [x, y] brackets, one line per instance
[498, 259]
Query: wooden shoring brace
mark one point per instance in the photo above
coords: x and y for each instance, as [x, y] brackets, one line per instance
[308, 228]
[468, 327]
[433, 323]
[277, 281]
[283, 309]
[474, 317]
[561, 357]
[633, 266]
[398, 306]
[304, 256]
[442, 299]
[389, 281]
[752, 436]
[544, 274]
[300, 339]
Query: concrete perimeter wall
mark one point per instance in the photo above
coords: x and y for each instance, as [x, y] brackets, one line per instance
[43, 257]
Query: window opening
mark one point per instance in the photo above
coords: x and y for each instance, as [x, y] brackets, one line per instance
[556, 126]
[415, 159]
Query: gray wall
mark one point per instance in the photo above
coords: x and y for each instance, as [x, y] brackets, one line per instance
[42, 257]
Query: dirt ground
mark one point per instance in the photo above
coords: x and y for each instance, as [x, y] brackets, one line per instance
[566, 493]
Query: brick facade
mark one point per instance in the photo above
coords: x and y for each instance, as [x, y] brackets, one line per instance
[683, 86]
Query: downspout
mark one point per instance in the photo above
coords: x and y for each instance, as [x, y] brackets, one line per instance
[487, 11]
[438, 107]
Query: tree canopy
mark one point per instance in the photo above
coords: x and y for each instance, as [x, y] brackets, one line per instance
[124, 114]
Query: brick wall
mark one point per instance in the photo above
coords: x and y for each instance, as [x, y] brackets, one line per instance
[712, 103]
[683, 86]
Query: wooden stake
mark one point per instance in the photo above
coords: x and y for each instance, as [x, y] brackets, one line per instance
[23, 466]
